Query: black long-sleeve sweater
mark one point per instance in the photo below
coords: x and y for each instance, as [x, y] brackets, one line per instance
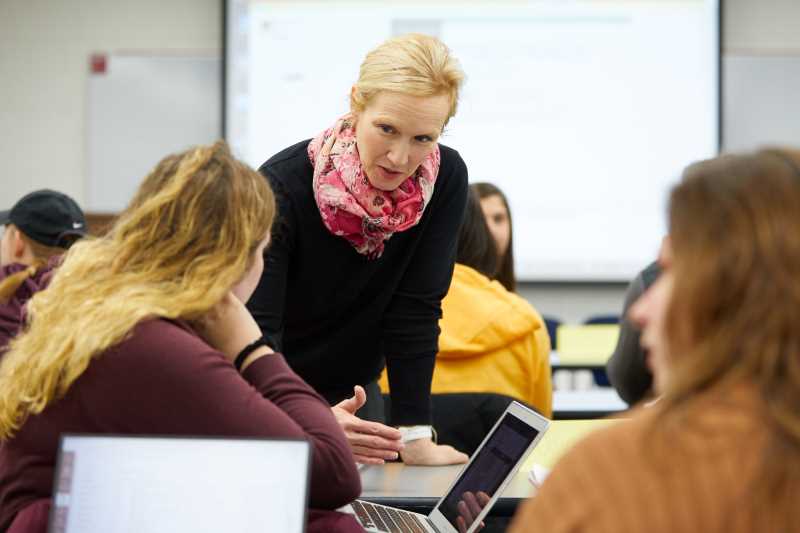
[336, 314]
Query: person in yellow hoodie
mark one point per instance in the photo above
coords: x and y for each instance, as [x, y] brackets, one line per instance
[492, 340]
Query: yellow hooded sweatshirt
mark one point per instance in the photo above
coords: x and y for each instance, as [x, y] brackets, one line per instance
[492, 340]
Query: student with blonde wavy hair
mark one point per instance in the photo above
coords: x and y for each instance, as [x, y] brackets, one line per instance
[143, 331]
[720, 451]
[365, 245]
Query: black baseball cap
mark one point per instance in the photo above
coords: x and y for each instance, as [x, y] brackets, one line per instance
[48, 217]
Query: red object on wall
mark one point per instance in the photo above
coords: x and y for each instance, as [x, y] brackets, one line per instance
[98, 63]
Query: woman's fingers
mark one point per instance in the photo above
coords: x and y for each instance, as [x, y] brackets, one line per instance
[463, 511]
[475, 503]
[228, 326]
[368, 460]
[373, 453]
[372, 434]
[472, 504]
[371, 442]
[355, 402]
[425, 452]
[374, 429]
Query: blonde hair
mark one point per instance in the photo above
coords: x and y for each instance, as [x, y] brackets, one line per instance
[414, 64]
[187, 237]
[735, 304]
[41, 255]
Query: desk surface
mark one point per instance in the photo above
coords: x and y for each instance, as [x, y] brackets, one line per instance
[398, 481]
[582, 361]
[560, 437]
[599, 399]
[590, 403]
[585, 345]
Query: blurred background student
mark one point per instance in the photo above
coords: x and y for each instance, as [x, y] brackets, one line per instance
[40, 226]
[144, 331]
[494, 205]
[720, 450]
[492, 341]
[369, 211]
[627, 367]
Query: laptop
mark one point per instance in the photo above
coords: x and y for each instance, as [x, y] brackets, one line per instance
[127, 484]
[476, 488]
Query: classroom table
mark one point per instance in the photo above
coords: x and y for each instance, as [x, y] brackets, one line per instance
[418, 489]
[578, 362]
[591, 403]
[584, 346]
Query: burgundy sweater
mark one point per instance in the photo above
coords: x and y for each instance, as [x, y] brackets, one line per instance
[165, 380]
[12, 311]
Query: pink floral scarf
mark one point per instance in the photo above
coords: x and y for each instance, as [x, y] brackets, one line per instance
[350, 206]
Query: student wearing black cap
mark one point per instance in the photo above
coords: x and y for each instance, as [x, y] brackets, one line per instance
[40, 226]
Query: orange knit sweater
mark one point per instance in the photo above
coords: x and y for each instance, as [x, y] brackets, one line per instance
[695, 477]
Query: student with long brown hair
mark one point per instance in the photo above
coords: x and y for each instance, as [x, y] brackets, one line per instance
[494, 205]
[41, 226]
[720, 451]
[144, 331]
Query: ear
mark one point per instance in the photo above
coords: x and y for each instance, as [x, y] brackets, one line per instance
[18, 246]
[353, 111]
[665, 252]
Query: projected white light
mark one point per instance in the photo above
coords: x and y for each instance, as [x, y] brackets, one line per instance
[583, 112]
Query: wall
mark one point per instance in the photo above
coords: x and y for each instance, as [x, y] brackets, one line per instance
[761, 26]
[44, 49]
[44, 68]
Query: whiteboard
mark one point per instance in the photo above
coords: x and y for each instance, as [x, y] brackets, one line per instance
[761, 96]
[583, 112]
[141, 108]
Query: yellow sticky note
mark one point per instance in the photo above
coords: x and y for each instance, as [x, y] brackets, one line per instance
[560, 437]
[586, 344]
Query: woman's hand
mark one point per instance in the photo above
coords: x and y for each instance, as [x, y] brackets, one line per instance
[426, 452]
[372, 443]
[469, 507]
[229, 327]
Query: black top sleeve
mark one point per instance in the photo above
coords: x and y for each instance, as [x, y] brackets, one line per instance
[268, 302]
[337, 314]
[627, 369]
[411, 322]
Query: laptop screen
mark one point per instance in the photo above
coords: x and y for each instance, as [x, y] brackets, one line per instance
[115, 484]
[490, 467]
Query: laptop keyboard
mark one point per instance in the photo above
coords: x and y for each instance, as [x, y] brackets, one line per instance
[387, 519]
